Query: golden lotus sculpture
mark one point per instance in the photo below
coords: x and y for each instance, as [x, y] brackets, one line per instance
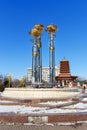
[35, 32]
[51, 28]
[39, 27]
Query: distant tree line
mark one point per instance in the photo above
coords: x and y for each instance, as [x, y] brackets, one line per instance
[5, 83]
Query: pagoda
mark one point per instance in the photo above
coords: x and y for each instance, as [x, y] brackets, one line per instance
[65, 78]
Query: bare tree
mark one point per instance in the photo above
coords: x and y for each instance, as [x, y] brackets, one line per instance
[16, 83]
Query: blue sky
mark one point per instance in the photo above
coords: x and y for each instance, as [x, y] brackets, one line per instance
[17, 18]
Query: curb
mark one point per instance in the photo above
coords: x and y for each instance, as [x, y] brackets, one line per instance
[43, 118]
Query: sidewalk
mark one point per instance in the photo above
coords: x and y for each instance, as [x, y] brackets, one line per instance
[44, 127]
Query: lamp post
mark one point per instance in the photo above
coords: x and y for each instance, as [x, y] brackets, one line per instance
[51, 29]
[9, 80]
[22, 82]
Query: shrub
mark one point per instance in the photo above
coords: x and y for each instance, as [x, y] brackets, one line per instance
[1, 88]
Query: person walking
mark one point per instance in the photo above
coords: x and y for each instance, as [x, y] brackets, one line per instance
[83, 90]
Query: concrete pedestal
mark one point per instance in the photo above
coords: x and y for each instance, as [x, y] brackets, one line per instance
[34, 93]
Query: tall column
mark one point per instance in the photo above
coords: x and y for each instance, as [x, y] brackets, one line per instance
[52, 59]
[51, 29]
[36, 55]
[34, 61]
[39, 27]
[39, 44]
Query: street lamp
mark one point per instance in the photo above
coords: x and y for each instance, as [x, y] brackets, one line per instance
[9, 80]
[22, 82]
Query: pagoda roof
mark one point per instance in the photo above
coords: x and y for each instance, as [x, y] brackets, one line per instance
[66, 77]
[64, 59]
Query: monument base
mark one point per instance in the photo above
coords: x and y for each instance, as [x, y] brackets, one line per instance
[35, 93]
